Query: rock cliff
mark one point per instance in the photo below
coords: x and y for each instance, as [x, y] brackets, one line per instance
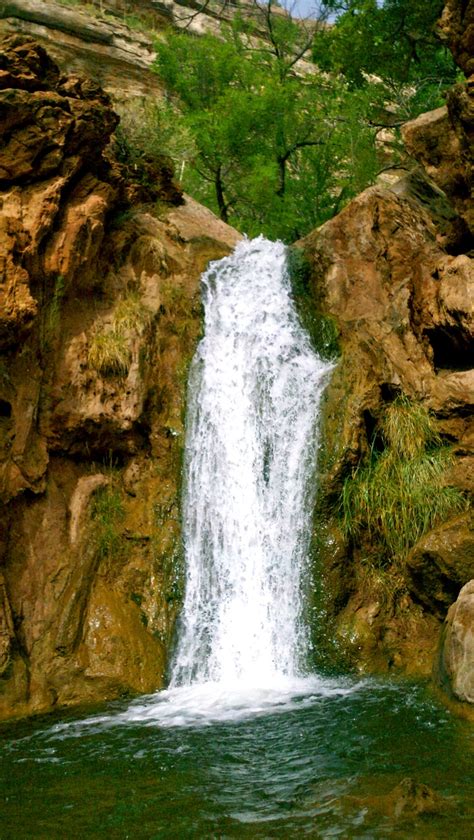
[101, 41]
[394, 273]
[99, 317]
[112, 41]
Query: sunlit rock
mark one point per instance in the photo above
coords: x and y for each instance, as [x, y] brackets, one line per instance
[455, 667]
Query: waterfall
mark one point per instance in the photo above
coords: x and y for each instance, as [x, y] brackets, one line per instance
[254, 390]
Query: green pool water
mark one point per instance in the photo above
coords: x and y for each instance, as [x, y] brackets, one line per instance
[314, 767]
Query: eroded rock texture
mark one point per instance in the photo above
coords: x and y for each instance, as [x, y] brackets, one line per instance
[89, 41]
[457, 28]
[99, 317]
[394, 271]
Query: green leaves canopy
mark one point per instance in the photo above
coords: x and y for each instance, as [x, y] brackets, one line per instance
[392, 46]
[266, 138]
[280, 144]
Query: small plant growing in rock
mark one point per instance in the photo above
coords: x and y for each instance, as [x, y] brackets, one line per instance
[109, 351]
[397, 495]
[131, 315]
[106, 513]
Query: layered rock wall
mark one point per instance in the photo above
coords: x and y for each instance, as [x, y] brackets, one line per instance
[97, 40]
[99, 317]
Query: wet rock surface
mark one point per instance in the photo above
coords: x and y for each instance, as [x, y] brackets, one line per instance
[408, 800]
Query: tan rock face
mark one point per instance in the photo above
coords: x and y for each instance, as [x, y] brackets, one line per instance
[442, 141]
[455, 667]
[441, 563]
[88, 41]
[404, 311]
[90, 450]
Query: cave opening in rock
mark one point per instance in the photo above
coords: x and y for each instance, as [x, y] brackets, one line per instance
[5, 409]
[452, 349]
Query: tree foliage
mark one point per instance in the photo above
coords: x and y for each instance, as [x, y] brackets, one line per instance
[284, 116]
[392, 47]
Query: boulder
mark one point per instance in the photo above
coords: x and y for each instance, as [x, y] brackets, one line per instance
[441, 563]
[407, 801]
[454, 668]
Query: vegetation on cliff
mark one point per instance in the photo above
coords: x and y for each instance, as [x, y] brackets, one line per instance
[284, 120]
[398, 492]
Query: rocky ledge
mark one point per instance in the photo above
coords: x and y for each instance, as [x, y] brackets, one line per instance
[86, 40]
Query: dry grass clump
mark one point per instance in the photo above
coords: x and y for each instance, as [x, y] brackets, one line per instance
[397, 495]
[109, 351]
[131, 315]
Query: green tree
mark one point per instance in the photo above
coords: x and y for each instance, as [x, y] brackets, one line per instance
[392, 48]
[279, 142]
[262, 125]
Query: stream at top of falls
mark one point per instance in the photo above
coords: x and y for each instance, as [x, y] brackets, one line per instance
[245, 742]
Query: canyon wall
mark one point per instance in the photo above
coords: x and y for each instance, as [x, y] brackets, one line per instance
[393, 272]
[99, 316]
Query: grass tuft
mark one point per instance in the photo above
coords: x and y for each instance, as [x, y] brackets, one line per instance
[397, 495]
[407, 428]
[107, 512]
[109, 351]
[131, 315]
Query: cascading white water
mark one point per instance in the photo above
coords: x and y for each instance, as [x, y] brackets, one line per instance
[251, 443]
[254, 390]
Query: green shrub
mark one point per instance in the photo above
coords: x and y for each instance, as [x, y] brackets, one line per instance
[397, 495]
[151, 131]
